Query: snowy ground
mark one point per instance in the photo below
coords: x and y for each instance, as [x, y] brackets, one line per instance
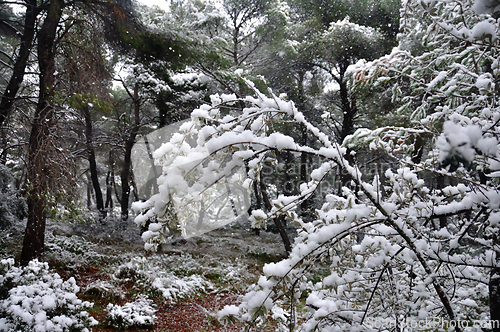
[180, 288]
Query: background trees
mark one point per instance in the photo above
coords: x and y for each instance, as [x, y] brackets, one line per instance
[42, 147]
[19, 60]
[73, 76]
[174, 62]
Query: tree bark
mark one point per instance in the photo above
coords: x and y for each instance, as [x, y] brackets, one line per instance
[110, 180]
[349, 112]
[278, 221]
[127, 159]
[418, 150]
[89, 192]
[94, 176]
[150, 187]
[443, 220]
[494, 294]
[303, 169]
[9, 95]
[163, 104]
[38, 176]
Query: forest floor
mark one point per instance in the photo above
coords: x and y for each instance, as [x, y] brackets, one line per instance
[187, 282]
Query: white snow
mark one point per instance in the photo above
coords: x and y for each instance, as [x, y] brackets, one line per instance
[39, 300]
[140, 312]
[484, 30]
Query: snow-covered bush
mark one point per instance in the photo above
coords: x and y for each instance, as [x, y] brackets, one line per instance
[172, 280]
[34, 299]
[73, 252]
[174, 288]
[104, 289]
[141, 312]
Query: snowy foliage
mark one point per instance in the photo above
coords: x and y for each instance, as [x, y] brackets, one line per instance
[104, 289]
[34, 299]
[140, 312]
[174, 288]
[75, 251]
[347, 42]
[402, 245]
[183, 164]
[163, 280]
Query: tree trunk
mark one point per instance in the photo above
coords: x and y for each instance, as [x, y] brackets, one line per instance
[278, 221]
[443, 221]
[92, 163]
[349, 112]
[165, 111]
[110, 180]
[18, 72]
[418, 150]
[38, 176]
[494, 294]
[258, 204]
[125, 178]
[89, 192]
[150, 187]
[236, 33]
[303, 169]
[127, 159]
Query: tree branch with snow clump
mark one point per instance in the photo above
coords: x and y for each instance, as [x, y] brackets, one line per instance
[397, 232]
[405, 249]
[432, 265]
